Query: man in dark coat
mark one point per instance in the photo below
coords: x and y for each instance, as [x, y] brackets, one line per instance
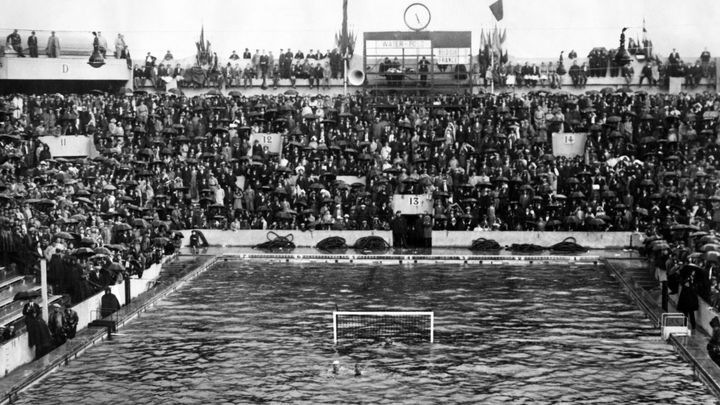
[109, 303]
[399, 230]
[688, 300]
[16, 43]
[33, 45]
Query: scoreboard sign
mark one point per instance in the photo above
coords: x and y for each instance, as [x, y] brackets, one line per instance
[413, 204]
[272, 141]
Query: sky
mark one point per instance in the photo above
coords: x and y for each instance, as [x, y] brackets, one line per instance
[535, 29]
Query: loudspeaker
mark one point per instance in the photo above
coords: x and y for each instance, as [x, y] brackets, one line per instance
[356, 77]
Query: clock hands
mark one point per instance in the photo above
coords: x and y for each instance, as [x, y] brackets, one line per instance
[417, 18]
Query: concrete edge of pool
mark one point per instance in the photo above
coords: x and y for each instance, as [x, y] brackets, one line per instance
[16, 382]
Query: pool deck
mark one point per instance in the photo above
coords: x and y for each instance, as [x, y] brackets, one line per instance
[625, 266]
[692, 349]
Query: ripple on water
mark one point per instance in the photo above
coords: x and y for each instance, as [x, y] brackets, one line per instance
[263, 333]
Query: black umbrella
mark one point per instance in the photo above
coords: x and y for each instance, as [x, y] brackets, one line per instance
[27, 295]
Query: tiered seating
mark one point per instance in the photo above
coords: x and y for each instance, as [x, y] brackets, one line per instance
[10, 284]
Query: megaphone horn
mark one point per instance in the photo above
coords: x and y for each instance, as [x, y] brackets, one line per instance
[356, 77]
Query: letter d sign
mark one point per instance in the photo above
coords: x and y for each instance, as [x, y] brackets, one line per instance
[65, 68]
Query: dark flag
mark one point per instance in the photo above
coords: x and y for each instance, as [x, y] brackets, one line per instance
[497, 10]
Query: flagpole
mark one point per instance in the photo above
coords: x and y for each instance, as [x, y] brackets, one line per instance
[492, 69]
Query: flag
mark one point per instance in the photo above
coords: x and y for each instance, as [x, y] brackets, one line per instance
[644, 29]
[497, 10]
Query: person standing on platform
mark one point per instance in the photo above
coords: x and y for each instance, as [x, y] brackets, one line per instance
[56, 323]
[688, 300]
[423, 68]
[399, 230]
[53, 46]
[109, 303]
[427, 227]
[33, 45]
[15, 42]
[119, 46]
[102, 44]
[713, 345]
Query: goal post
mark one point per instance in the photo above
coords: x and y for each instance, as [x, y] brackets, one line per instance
[374, 325]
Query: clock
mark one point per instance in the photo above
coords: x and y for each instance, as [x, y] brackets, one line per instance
[417, 16]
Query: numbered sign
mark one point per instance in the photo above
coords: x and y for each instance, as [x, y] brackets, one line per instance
[569, 144]
[413, 204]
[70, 145]
[273, 142]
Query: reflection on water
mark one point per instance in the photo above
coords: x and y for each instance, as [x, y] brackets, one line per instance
[259, 332]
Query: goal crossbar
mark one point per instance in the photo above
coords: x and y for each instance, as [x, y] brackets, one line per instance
[428, 314]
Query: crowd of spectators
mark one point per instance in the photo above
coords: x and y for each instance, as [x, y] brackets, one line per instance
[600, 63]
[47, 207]
[239, 71]
[487, 159]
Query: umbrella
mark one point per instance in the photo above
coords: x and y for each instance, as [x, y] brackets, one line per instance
[117, 247]
[140, 223]
[27, 295]
[122, 227]
[63, 235]
[87, 242]
[291, 92]
[83, 252]
[109, 187]
[698, 234]
[116, 267]
[102, 250]
[683, 227]
[161, 241]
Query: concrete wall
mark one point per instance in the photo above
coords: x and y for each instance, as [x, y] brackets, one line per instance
[593, 240]
[252, 237]
[459, 239]
[17, 351]
[13, 68]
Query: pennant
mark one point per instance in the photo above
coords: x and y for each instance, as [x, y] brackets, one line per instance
[497, 10]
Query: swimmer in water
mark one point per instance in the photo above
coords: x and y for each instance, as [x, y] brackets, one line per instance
[358, 370]
[336, 367]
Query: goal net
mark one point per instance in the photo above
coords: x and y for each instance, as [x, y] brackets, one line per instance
[377, 326]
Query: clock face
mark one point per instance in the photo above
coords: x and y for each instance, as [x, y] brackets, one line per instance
[417, 16]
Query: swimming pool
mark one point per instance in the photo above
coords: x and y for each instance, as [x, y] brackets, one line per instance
[248, 331]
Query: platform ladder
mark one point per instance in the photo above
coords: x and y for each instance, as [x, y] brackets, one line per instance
[673, 323]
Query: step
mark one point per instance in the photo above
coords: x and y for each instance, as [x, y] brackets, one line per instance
[6, 299]
[11, 281]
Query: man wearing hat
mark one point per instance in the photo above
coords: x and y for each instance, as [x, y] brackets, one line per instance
[33, 45]
[56, 323]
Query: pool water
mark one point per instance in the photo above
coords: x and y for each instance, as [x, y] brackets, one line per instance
[254, 332]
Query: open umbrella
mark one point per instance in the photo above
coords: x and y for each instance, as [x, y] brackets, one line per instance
[122, 227]
[102, 250]
[84, 252]
[63, 235]
[27, 295]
